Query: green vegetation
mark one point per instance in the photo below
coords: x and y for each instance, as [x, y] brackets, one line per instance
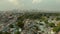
[51, 24]
[58, 18]
[17, 32]
[56, 29]
[20, 21]
[11, 26]
[0, 32]
[6, 32]
[41, 17]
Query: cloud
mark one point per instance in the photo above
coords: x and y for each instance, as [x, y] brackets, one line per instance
[11, 4]
[14, 2]
[36, 1]
[57, 1]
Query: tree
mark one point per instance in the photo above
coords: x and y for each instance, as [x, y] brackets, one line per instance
[11, 26]
[0, 32]
[58, 18]
[6, 32]
[17, 32]
[51, 24]
[57, 28]
[58, 24]
[20, 21]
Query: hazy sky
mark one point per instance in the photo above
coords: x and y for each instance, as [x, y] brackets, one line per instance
[30, 4]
